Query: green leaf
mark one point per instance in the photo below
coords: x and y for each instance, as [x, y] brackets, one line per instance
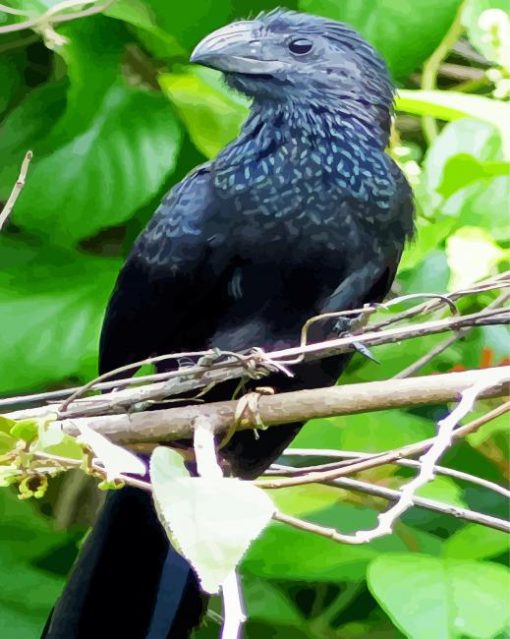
[406, 32]
[11, 71]
[25, 125]
[212, 520]
[460, 180]
[7, 443]
[189, 23]
[141, 15]
[25, 429]
[212, 114]
[371, 432]
[51, 304]
[6, 424]
[460, 249]
[476, 542]
[443, 489]
[464, 169]
[318, 559]
[492, 43]
[452, 105]
[442, 598]
[268, 603]
[104, 174]
[27, 593]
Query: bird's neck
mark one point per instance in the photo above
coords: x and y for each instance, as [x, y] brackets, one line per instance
[348, 121]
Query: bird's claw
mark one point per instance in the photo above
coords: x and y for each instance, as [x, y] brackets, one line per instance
[365, 351]
[247, 412]
[342, 327]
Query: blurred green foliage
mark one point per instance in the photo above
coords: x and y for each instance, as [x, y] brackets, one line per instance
[115, 116]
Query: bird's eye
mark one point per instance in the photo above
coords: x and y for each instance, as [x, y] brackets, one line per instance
[300, 46]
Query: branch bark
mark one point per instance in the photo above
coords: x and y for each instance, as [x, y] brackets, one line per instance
[177, 423]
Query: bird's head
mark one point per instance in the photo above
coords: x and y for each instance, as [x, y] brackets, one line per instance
[289, 56]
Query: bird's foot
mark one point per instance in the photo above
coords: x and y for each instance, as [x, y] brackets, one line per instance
[343, 327]
[247, 412]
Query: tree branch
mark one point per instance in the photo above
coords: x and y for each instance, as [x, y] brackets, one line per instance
[177, 423]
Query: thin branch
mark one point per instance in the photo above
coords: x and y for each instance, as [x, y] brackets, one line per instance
[349, 456]
[392, 495]
[54, 15]
[440, 444]
[217, 366]
[445, 344]
[14, 12]
[386, 457]
[16, 190]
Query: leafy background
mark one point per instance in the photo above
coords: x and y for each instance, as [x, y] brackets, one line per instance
[115, 117]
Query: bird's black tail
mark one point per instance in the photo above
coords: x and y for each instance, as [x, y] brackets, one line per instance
[128, 581]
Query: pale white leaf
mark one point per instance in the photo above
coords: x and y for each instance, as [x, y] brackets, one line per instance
[212, 520]
[115, 459]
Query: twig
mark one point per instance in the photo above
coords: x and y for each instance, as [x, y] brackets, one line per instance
[392, 495]
[234, 615]
[386, 457]
[349, 456]
[16, 190]
[445, 344]
[53, 15]
[407, 494]
[198, 376]
[14, 12]
[441, 442]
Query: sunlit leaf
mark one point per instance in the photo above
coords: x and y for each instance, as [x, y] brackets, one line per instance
[476, 542]
[212, 114]
[462, 246]
[441, 598]
[452, 105]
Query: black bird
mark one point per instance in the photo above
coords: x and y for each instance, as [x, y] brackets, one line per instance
[302, 214]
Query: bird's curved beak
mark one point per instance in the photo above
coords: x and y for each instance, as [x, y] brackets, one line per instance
[236, 48]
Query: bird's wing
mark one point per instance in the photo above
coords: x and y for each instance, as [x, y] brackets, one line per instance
[159, 286]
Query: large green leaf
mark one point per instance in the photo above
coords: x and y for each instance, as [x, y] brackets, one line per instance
[104, 174]
[27, 592]
[142, 17]
[476, 542]
[213, 115]
[452, 105]
[319, 558]
[441, 598]
[463, 178]
[188, 23]
[371, 432]
[25, 125]
[51, 304]
[406, 32]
